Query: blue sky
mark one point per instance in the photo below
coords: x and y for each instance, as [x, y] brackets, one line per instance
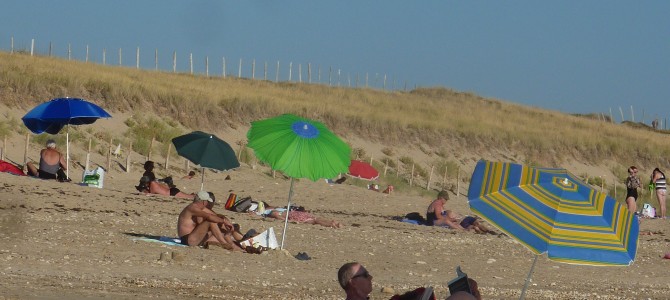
[571, 56]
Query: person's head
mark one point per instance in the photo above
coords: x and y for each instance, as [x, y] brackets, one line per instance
[144, 184]
[191, 174]
[148, 165]
[443, 194]
[51, 144]
[204, 196]
[211, 196]
[632, 170]
[355, 280]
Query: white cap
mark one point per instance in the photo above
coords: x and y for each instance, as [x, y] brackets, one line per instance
[204, 196]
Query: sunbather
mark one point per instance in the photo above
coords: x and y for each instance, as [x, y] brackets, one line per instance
[295, 216]
[437, 215]
[198, 225]
[149, 186]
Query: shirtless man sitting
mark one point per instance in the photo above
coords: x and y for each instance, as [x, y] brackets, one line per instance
[52, 164]
[438, 215]
[198, 225]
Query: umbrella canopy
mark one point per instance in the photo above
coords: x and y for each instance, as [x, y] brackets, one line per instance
[206, 150]
[52, 116]
[552, 211]
[299, 147]
[362, 170]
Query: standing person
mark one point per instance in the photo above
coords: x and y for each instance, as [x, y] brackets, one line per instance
[632, 185]
[658, 179]
[52, 164]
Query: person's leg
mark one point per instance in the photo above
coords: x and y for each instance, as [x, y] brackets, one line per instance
[185, 196]
[223, 238]
[630, 202]
[32, 170]
[199, 234]
[661, 201]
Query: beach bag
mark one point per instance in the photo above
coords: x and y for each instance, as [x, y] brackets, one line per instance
[232, 199]
[648, 211]
[266, 239]
[94, 178]
[242, 205]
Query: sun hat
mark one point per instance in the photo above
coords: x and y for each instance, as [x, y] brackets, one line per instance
[204, 196]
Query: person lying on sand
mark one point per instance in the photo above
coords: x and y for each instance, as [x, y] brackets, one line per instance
[198, 225]
[149, 186]
[293, 215]
[437, 215]
[356, 282]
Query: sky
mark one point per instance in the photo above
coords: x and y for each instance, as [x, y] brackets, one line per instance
[570, 56]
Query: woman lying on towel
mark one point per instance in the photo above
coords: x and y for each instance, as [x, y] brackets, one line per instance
[149, 186]
[293, 215]
[437, 215]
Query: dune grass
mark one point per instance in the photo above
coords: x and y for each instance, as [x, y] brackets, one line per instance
[446, 122]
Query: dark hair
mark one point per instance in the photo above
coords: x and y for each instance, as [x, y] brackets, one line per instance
[148, 165]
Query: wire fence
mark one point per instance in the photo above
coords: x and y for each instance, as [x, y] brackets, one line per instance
[276, 71]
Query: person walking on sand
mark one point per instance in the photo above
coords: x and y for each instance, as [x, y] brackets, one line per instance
[197, 232]
[632, 186]
[658, 179]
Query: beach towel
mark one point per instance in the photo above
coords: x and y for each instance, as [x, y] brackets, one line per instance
[10, 168]
[163, 240]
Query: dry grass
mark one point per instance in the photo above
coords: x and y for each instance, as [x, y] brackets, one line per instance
[443, 120]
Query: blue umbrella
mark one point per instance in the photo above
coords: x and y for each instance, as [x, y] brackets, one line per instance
[52, 116]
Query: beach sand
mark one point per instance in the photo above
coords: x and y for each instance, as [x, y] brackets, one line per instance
[66, 241]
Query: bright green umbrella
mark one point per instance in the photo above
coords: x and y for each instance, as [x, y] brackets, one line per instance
[206, 150]
[300, 148]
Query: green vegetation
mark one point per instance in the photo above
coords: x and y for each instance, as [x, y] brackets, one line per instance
[450, 126]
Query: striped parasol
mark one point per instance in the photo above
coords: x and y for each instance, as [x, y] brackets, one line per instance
[552, 211]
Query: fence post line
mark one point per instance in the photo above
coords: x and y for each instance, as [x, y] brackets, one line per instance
[104, 56]
[430, 178]
[88, 155]
[186, 165]
[632, 114]
[339, 74]
[32, 46]
[11, 41]
[50, 49]
[411, 179]
[319, 75]
[385, 166]
[137, 58]
[300, 73]
[156, 58]
[444, 179]
[86, 53]
[130, 151]
[309, 72]
[265, 71]
[207, 66]
[239, 69]
[120, 56]
[69, 51]
[277, 73]
[151, 146]
[330, 76]
[398, 164]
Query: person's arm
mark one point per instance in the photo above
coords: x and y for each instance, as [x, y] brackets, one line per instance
[63, 163]
[206, 215]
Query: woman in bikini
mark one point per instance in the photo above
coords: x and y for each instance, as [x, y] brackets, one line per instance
[658, 179]
[632, 184]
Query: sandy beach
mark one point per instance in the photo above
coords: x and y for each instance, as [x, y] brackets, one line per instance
[66, 241]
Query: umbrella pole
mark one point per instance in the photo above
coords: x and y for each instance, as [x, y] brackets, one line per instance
[67, 152]
[202, 181]
[288, 209]
[525, 286]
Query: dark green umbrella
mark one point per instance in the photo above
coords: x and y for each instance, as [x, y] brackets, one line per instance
[299, 147]
[206, 150]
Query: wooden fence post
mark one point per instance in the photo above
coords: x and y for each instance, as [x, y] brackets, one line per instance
[167, 157]
[430, 177]
[109, 155]
[385, 167]
[458, 183]
[130, 150]
[88, 155]
[411, 179]
[25, 152]
[4, 146]
[444, 179]
[186, 165]
[151, 146]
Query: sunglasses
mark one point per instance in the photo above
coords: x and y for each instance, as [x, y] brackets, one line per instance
[365, 274]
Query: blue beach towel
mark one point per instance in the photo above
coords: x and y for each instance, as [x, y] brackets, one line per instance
[163, 240]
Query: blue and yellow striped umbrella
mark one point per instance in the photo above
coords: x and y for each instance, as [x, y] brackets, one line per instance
[552, 211]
